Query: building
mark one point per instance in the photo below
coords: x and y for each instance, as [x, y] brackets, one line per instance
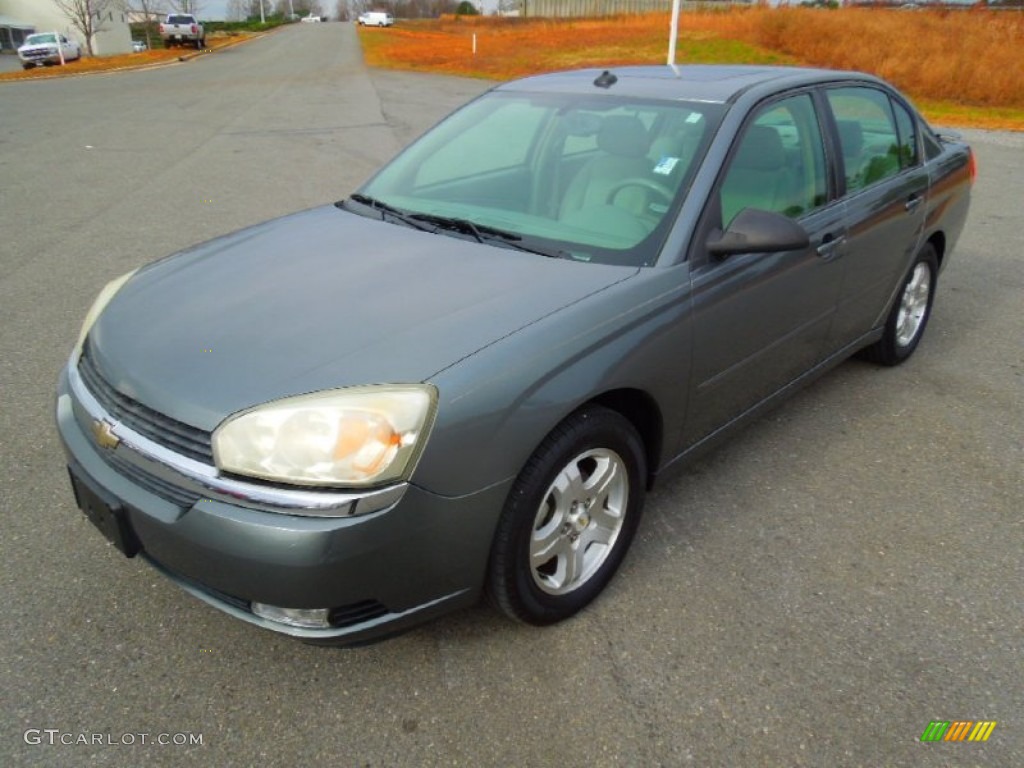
[19, 18]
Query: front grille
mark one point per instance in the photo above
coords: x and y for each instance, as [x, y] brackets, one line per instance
[158, 487]
[173, 435]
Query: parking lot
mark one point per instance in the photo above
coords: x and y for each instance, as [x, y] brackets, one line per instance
[814, 593]
[9, 62]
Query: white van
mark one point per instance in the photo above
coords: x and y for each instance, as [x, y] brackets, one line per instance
[376, 19]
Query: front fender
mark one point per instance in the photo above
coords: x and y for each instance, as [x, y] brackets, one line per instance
[496, 406]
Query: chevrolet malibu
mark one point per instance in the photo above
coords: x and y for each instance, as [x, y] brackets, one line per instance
[463, 379]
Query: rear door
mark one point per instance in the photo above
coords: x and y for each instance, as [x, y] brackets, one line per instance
[885, 185]
[762, 319]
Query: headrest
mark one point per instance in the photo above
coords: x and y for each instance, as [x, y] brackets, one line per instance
[623, 135]
[761, 150]
[851, 137]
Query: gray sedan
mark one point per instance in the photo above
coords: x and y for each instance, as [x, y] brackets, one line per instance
[463, 379]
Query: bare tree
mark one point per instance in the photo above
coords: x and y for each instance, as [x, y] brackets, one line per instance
[299, 7]
[187, 6]
[247, 9]
[87, 16]
[149, 10]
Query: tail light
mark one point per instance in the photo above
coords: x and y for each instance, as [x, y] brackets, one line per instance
[195, 29]
[972, 165]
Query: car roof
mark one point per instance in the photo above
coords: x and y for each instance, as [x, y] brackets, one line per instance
[692, 82]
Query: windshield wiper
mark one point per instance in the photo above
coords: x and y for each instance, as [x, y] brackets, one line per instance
[486, 234]
[429, 222]
[388, 210]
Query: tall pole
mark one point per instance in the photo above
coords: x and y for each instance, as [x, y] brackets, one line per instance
[263, 18]
[673, 33]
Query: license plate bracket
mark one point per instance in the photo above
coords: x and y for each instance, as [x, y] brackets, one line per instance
[107, 514]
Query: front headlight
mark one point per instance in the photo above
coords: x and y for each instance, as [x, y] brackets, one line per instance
[358, 436]
[106, 294]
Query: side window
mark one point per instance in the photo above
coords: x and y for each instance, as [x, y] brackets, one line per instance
[779, 164]
[512, 126]
[907, 128]
[867, 135]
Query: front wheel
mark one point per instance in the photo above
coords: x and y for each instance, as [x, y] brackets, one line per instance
[569, 518]
[909, 315]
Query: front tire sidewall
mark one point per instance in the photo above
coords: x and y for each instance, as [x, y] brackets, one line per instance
[511, 587]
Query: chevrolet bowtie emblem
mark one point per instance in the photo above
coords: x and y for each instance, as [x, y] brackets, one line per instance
[103, 431]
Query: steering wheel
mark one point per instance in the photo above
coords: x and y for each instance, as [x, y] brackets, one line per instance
[661, 190]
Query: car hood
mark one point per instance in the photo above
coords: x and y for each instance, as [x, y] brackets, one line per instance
[318, 300]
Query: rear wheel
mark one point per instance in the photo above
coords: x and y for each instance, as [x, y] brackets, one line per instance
[569, 518]
[909, 315]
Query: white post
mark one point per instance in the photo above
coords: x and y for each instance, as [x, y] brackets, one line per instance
[263, 18]
[673, 33]
[474, 43]
[60, 46]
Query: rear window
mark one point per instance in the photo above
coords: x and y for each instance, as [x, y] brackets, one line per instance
[180, 20]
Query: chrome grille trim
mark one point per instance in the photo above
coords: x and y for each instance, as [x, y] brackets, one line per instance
[175, 435]
[203, 481]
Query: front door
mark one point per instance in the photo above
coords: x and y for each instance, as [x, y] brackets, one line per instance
[762, 319]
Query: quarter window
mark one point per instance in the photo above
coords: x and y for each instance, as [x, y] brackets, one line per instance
[779, 165]
[867, 135]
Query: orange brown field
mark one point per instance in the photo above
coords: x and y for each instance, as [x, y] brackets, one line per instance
[962, 67]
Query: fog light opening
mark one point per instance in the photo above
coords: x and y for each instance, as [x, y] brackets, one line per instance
[308, 618]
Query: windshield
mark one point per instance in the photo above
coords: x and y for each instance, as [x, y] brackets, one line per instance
[38, 39]
[595, 178]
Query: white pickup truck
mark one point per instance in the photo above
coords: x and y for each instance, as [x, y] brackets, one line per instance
[182, 29]
[42, 49]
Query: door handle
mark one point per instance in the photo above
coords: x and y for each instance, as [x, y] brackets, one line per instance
[829, 246]
[913, 202]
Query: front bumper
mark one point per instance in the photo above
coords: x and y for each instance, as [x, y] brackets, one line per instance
[40, 57]
[417, 556]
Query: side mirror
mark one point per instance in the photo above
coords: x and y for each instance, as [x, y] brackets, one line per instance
[756, 231]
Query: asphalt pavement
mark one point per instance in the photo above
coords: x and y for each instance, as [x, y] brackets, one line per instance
[814, 593]
[9, 63]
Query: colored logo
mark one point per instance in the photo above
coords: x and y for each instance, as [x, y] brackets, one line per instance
[104, 433]
[958, 730]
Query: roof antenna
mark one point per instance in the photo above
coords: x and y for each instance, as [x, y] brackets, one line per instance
[605, 80]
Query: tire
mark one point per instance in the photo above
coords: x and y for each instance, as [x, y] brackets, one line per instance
[28, 65]
[909, 314]
[558, 543]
